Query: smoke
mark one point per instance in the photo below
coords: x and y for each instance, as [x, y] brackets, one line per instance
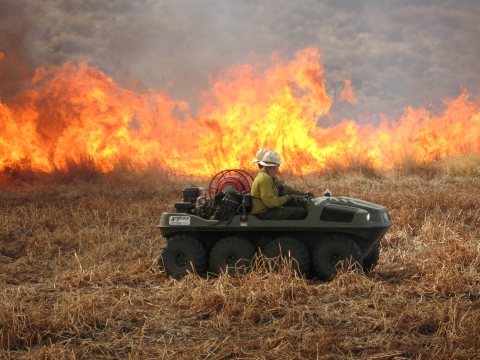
[395, 54]
[16, 64]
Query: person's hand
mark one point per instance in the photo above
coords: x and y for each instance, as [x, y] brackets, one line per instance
[292, 198]
[309, 195]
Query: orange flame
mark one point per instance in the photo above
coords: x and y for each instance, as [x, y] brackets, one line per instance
[347, 93]
[76, 110]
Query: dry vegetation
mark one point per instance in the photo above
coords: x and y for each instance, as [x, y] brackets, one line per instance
[79, 278]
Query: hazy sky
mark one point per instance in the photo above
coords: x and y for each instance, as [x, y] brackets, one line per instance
[396, 53]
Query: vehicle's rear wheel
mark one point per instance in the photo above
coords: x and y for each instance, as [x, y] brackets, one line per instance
[290, 249]
[183, 254]
[231, 255]
[330, 252]
[371, 261]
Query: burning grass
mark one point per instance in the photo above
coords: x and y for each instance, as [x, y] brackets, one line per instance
[79, 278]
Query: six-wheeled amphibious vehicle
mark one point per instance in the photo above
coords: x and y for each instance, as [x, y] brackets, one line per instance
[336, 229]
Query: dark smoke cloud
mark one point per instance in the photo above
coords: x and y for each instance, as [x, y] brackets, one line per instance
[16, 64]
[396, 54]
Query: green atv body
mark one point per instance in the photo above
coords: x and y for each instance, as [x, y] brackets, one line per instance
[335, 229]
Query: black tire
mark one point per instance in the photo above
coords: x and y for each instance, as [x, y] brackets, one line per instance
[183, 254]
[232, 255]
[260, 243]
[289, 247]
[370, 262]
[330, 252]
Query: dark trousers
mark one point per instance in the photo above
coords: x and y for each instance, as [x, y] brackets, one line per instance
[284, 213]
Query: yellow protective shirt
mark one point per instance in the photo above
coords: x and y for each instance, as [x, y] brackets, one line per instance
[265, 192]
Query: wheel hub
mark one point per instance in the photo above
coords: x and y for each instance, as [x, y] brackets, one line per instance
[335, 259]
[181, 260]
[231, 260]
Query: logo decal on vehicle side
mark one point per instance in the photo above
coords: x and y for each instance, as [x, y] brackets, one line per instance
[179, 220]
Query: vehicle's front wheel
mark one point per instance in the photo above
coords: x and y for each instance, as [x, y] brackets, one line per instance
[232, 254]
[330, 252]
[290, 249]
[183, 254]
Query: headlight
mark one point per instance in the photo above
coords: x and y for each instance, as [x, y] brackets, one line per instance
[368, 216]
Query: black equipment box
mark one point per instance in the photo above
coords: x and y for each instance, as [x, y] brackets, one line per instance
[190, 194]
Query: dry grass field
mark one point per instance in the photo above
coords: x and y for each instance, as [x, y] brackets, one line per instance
[79, 276]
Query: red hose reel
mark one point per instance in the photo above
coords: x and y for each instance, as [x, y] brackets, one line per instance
[239, 179]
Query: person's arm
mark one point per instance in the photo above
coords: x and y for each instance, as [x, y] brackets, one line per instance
[269, 195]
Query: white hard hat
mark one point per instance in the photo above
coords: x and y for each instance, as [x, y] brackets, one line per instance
[260, 154]
[271, 159]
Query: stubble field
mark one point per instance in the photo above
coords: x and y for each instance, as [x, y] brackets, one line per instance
[79, 277]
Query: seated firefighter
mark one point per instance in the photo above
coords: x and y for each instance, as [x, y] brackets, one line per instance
[272, 200]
